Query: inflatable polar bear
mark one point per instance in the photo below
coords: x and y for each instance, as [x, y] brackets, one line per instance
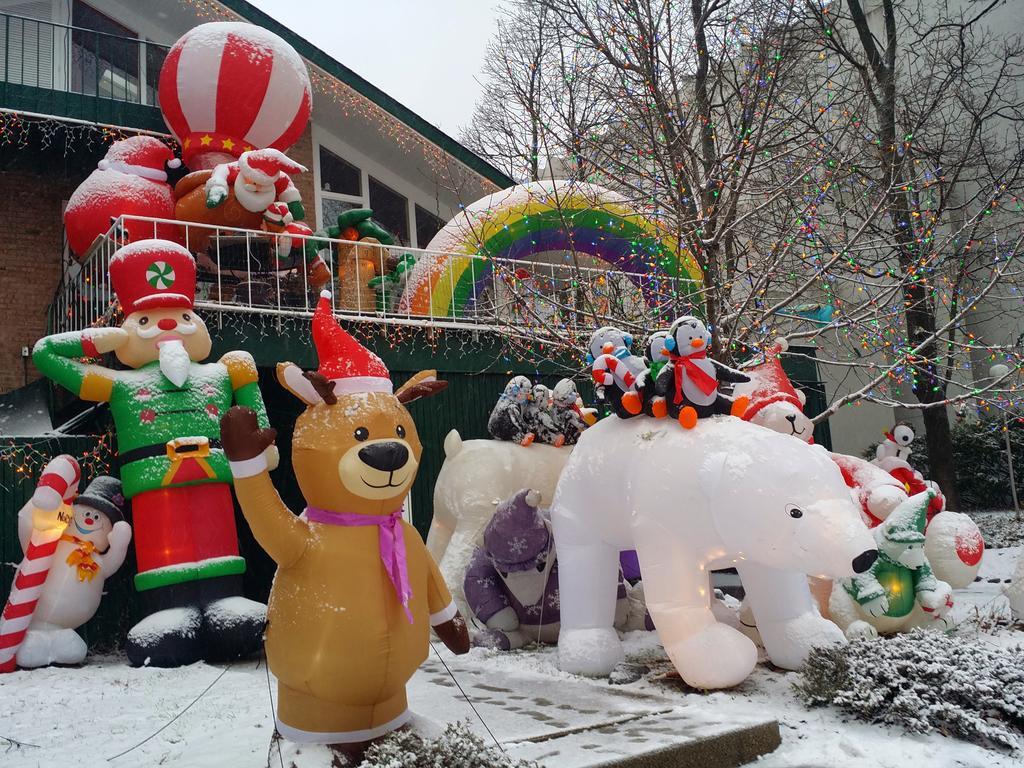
[476, 476]
[726, 493]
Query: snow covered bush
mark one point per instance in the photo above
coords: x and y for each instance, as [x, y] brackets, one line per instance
[1000, 529]
[456, 747]
[923, 681]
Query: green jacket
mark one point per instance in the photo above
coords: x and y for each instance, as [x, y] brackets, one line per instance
[149, 410]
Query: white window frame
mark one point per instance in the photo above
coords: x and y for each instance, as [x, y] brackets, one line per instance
[320, 195]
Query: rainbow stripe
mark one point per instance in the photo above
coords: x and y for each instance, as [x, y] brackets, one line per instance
[531, 219]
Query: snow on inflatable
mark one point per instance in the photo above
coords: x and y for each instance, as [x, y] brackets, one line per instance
[356, 591]
[527, 220]
[229, 87]
[475, 477]
[900, 590]
[131, 180]
[690, 501]
[511, 584]
[166, 405]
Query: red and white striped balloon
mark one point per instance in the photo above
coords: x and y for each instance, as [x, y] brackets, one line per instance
[228, 87]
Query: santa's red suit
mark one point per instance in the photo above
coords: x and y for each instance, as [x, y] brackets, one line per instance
[131, 181]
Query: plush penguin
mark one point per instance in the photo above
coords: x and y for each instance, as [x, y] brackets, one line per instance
[896, 443]
[567, 415]
[656, 357]
[617, 373]
[508, 419]
[689, 381]
[540, 417]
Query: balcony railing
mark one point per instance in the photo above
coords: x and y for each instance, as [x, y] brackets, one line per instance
[252, 271]
[59, 57]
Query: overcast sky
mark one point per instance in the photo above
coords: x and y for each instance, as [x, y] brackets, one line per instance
[424, 53]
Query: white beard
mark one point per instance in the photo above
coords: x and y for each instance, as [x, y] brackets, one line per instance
[174, 362]
[255, 202]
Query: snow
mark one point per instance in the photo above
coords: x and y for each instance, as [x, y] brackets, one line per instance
[533, 708]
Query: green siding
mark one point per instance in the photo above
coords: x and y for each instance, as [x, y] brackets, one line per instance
[93, 109]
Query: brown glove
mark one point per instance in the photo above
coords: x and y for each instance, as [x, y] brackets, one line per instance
[241, 435]
[454, 634]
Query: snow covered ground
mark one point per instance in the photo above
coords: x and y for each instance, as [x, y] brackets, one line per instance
[216, 716]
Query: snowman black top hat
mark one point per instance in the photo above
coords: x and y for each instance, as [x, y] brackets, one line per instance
[104, 495]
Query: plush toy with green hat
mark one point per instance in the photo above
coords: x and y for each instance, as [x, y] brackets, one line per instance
[899, 591]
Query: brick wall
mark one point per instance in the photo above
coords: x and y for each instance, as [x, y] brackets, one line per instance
[30, 263]
[302, 152]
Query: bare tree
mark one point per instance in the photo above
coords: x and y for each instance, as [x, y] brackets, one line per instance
[841, 176]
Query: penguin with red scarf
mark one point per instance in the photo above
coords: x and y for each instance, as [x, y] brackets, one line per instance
[689, 381]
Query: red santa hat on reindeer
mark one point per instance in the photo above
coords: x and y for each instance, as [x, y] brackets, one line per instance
[344, 362]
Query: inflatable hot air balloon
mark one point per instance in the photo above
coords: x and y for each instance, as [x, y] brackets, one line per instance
[230, 87]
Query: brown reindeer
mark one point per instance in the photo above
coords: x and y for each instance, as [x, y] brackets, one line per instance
[348, 621]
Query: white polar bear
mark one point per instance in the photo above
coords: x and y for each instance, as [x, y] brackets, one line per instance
[475, 477]
[726, 493]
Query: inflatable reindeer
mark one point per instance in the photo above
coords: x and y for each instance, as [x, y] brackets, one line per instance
[356, 592]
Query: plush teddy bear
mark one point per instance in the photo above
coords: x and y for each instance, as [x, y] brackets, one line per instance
[885, 598]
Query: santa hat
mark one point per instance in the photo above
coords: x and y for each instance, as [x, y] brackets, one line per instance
[906, 523]
[517, 533]
[278, 214]
[264, 166]
[343, 360]
[143, 156]
[770, 383]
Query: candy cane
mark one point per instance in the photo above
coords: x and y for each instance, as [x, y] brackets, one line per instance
[58, 485]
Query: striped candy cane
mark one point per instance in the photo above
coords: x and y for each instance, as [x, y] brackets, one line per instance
[58, 485]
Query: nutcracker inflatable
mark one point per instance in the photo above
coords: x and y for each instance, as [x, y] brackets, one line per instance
[356, 592]
[130, 181]
[166, 409]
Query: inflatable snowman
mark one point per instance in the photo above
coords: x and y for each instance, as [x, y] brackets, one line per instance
[89, 551]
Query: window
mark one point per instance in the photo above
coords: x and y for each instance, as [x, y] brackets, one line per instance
[339, 176]
[104, 63]
[390, 209]
[341, 186]
[427, 225]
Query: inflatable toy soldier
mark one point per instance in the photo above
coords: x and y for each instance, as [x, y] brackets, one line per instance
[167, 410]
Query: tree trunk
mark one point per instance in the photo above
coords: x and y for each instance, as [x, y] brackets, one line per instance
[941, 467]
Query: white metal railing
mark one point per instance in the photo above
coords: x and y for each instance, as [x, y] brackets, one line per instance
[252, 271]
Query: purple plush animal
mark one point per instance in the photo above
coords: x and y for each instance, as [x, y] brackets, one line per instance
[511, 584]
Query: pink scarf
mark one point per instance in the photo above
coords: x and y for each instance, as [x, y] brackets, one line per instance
[392, 544]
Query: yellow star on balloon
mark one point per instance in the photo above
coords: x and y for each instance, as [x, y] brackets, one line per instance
[205, 140]
[227, 144]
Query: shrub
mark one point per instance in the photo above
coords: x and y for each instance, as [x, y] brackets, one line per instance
[923, 681]
[1000, 530]
[456, 747]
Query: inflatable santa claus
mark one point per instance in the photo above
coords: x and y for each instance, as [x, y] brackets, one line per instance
[130, 181]
[166, 408]
[237, 194]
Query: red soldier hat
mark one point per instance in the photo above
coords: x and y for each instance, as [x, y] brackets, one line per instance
[153, 274]
[343, 360]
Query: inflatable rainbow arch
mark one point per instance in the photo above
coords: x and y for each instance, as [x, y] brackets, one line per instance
[530, 219]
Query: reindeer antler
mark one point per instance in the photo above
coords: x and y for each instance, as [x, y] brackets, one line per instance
[323, 386]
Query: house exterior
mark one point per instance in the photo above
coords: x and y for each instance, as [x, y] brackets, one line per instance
[70, 70]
